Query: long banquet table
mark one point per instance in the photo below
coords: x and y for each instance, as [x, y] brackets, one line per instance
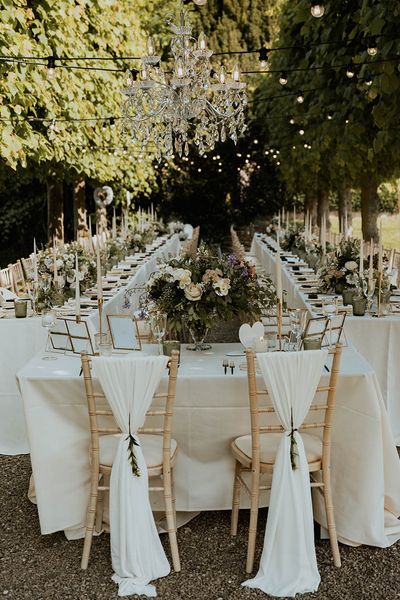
[21, 339]
[211, 408]
[377, 339]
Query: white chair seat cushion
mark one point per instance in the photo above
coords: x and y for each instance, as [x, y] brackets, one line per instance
[152, 448]
[269, 445]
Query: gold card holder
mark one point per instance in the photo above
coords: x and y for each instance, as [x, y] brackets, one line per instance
[69, 336]
[124, 332]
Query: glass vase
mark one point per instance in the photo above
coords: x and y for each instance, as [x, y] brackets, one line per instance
[198, 332]
[348, 295]
[359, 306]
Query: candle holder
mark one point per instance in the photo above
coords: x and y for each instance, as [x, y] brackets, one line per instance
[21, 308]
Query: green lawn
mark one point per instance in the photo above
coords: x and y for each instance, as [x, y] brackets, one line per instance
[390, 228]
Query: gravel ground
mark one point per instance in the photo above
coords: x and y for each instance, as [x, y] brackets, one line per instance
[36, 567]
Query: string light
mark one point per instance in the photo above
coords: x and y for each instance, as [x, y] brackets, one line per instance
[350, 72]
[329, 117]
[51, 66]
[317, 9]
[368, 79]
[372, 48]
[301, 132]
[263, 57]
[300, 98]
[291, 121]
[283, 79]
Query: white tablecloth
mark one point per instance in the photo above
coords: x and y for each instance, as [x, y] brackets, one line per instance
[378, 340]
[20, 339]
[212, 408]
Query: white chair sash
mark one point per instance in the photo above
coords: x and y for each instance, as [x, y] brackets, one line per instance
[288, 563]
[137, 555]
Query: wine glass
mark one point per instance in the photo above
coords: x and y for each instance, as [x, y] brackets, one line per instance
[33, 294]
[158, 323]
[298, 318]
[48, 320]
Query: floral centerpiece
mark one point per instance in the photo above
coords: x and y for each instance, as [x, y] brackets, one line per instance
[333, 275]
[199, 291]
[54, 291]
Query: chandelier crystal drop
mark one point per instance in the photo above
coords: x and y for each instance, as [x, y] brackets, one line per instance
[185, 103]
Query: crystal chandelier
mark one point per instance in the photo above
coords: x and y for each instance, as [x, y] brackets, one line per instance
[190, 103]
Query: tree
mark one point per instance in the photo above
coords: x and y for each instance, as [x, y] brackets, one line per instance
[344, 120]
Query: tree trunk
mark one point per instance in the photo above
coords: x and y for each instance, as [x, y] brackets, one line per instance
[323, 207]
[344, 205]
[369, 207]
[101, 219]
[79, 207]
[55, 210]
[310, 205]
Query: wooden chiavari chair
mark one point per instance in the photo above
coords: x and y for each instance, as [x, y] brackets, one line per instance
[18, 278]
[6, 280]
[159, 448]
[255, 453]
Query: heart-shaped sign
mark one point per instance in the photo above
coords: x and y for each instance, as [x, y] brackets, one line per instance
[247, 333]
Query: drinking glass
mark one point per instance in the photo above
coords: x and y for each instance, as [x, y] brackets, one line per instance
[298, 317]
[49, 320]
[329, 308]
[158, 323]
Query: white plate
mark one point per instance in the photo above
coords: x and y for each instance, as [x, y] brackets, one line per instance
[235, 353]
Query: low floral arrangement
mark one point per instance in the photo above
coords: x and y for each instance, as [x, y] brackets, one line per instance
[293, 239]
[198, 291]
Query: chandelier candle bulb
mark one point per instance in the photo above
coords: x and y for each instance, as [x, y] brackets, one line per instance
[202, 41]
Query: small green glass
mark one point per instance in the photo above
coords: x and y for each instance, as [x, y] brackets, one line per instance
[312, 343]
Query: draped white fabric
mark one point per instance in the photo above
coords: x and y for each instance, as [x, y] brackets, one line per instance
[138, 557]
[288, 563]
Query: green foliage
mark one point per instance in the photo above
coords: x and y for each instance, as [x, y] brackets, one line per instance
[369, 141]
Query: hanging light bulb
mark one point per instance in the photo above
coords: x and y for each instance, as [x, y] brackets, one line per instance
[202, 41]
[293, 147]
[372, 48]
[200, 2]
[317, 9]
[236, 72]
[301, 131]
[263, 57]
[291, 121]
[329, 116]
[221, 75]
[112, 122]
[368, 79]
[51, 66]
[143, 73]
[300, 98]
[350, 72]
[283, 78]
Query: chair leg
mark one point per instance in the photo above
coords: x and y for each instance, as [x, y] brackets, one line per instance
[251, 544]
[90, 520]
[173, 496]
[237, 488]
[326, 477]
[170, 517]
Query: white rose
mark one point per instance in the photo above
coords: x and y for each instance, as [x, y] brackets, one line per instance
[193, 292]
[222, 287]
[351, 265]
[183, 276]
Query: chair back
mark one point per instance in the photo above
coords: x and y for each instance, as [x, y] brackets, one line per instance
[6, 279]
[97, 399]
[18, 278]
[259, 409]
